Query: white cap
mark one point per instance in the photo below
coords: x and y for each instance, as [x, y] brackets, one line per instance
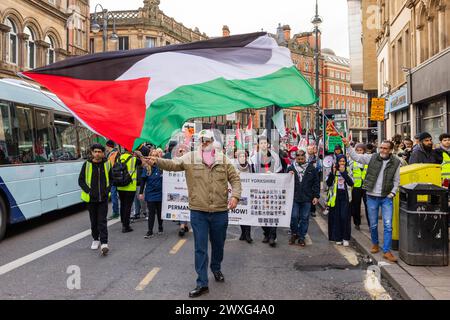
[207, 134]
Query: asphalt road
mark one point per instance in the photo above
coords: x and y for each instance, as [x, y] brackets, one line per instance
[38, 262]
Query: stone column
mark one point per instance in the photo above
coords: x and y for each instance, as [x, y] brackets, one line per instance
[431, 41]
[442, 27]
[4, 29]
[41, 53]
[22, 49]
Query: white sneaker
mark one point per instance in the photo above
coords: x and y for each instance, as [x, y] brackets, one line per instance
[325, 212]
[338, 243]
[104, 249]
[95, 245]
[346, 243]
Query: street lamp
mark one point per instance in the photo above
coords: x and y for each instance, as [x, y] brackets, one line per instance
[95, 26]
[317, 21]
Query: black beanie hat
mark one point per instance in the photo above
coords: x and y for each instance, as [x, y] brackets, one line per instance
[424, 135]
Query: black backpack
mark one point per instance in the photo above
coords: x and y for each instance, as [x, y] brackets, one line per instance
[120, 177]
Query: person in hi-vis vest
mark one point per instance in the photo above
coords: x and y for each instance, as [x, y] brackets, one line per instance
[443, 158]
[128, 192]
[94, 181]
[359, 172]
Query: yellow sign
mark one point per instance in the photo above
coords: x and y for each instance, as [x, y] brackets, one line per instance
[378, 106]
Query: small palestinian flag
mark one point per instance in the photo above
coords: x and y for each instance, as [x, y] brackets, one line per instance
[146, 95]
[238, 141]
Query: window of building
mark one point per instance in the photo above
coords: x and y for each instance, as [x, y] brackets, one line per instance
[338, 74]
[306, 66]
[331, 104]
[353, 106]
[31, 48]
[91, 46]
[331, 88]
[12, 46]
[150, 42]
[338, 90]
[402, 123]
[51, 50]
[343, 104]
[331, 73]
[347, 91]
[433, 118]
[123, 43]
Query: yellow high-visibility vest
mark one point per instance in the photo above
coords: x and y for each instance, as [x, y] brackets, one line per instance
[88, 178]
[358, 174]
[131, 166]
[445, 166]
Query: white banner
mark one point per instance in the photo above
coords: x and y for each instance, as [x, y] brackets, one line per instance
[266, 199]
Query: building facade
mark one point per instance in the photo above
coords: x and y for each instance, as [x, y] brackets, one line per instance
[145, 27]
[413, 55]
[338, 94]
[34, 33]
[363, 30]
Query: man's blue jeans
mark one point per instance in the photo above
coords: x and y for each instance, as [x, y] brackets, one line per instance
[115, 200]
[300, 218]
[214, 225]
[373, 205]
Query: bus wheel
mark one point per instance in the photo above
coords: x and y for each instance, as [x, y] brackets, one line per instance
[3, 219]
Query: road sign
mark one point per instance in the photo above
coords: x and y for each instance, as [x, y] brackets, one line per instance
[378, 106]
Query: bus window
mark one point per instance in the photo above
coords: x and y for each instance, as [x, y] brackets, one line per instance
[43, 145]
[5, 134]
[85, 137]
[22, 143]
[66, 138]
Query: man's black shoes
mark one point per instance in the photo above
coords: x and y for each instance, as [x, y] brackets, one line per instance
[272, 242]
[197, 292]
[125, 229]
[266, 239]
[219, 276]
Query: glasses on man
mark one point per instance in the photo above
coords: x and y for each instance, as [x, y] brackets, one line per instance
[205, 140]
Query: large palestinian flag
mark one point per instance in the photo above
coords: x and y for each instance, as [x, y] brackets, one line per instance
[145, 95]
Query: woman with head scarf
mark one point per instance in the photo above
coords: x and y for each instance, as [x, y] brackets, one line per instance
[242, 165]
[339, 183]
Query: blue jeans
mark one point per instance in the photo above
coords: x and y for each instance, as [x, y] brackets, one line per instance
[114, 200]
[300, 218]
[373, 205]
[214, 225]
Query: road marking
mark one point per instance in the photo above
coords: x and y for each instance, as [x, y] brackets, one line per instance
[178, 246]
[346, 252]
[148, 278]
[43, 252]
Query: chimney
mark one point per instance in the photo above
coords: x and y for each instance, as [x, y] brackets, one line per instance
[287, 32]
[225, 31]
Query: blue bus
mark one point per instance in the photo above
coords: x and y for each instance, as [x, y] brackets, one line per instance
[42, 149]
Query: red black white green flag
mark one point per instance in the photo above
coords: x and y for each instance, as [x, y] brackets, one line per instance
[146, 95]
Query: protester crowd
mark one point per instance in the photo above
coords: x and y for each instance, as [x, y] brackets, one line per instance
[355, 174]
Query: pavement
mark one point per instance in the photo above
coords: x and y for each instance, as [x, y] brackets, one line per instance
[412, 282]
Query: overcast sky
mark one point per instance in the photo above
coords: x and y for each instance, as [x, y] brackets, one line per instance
[244, 16]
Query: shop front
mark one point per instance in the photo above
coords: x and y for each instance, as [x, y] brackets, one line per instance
[430, 84]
